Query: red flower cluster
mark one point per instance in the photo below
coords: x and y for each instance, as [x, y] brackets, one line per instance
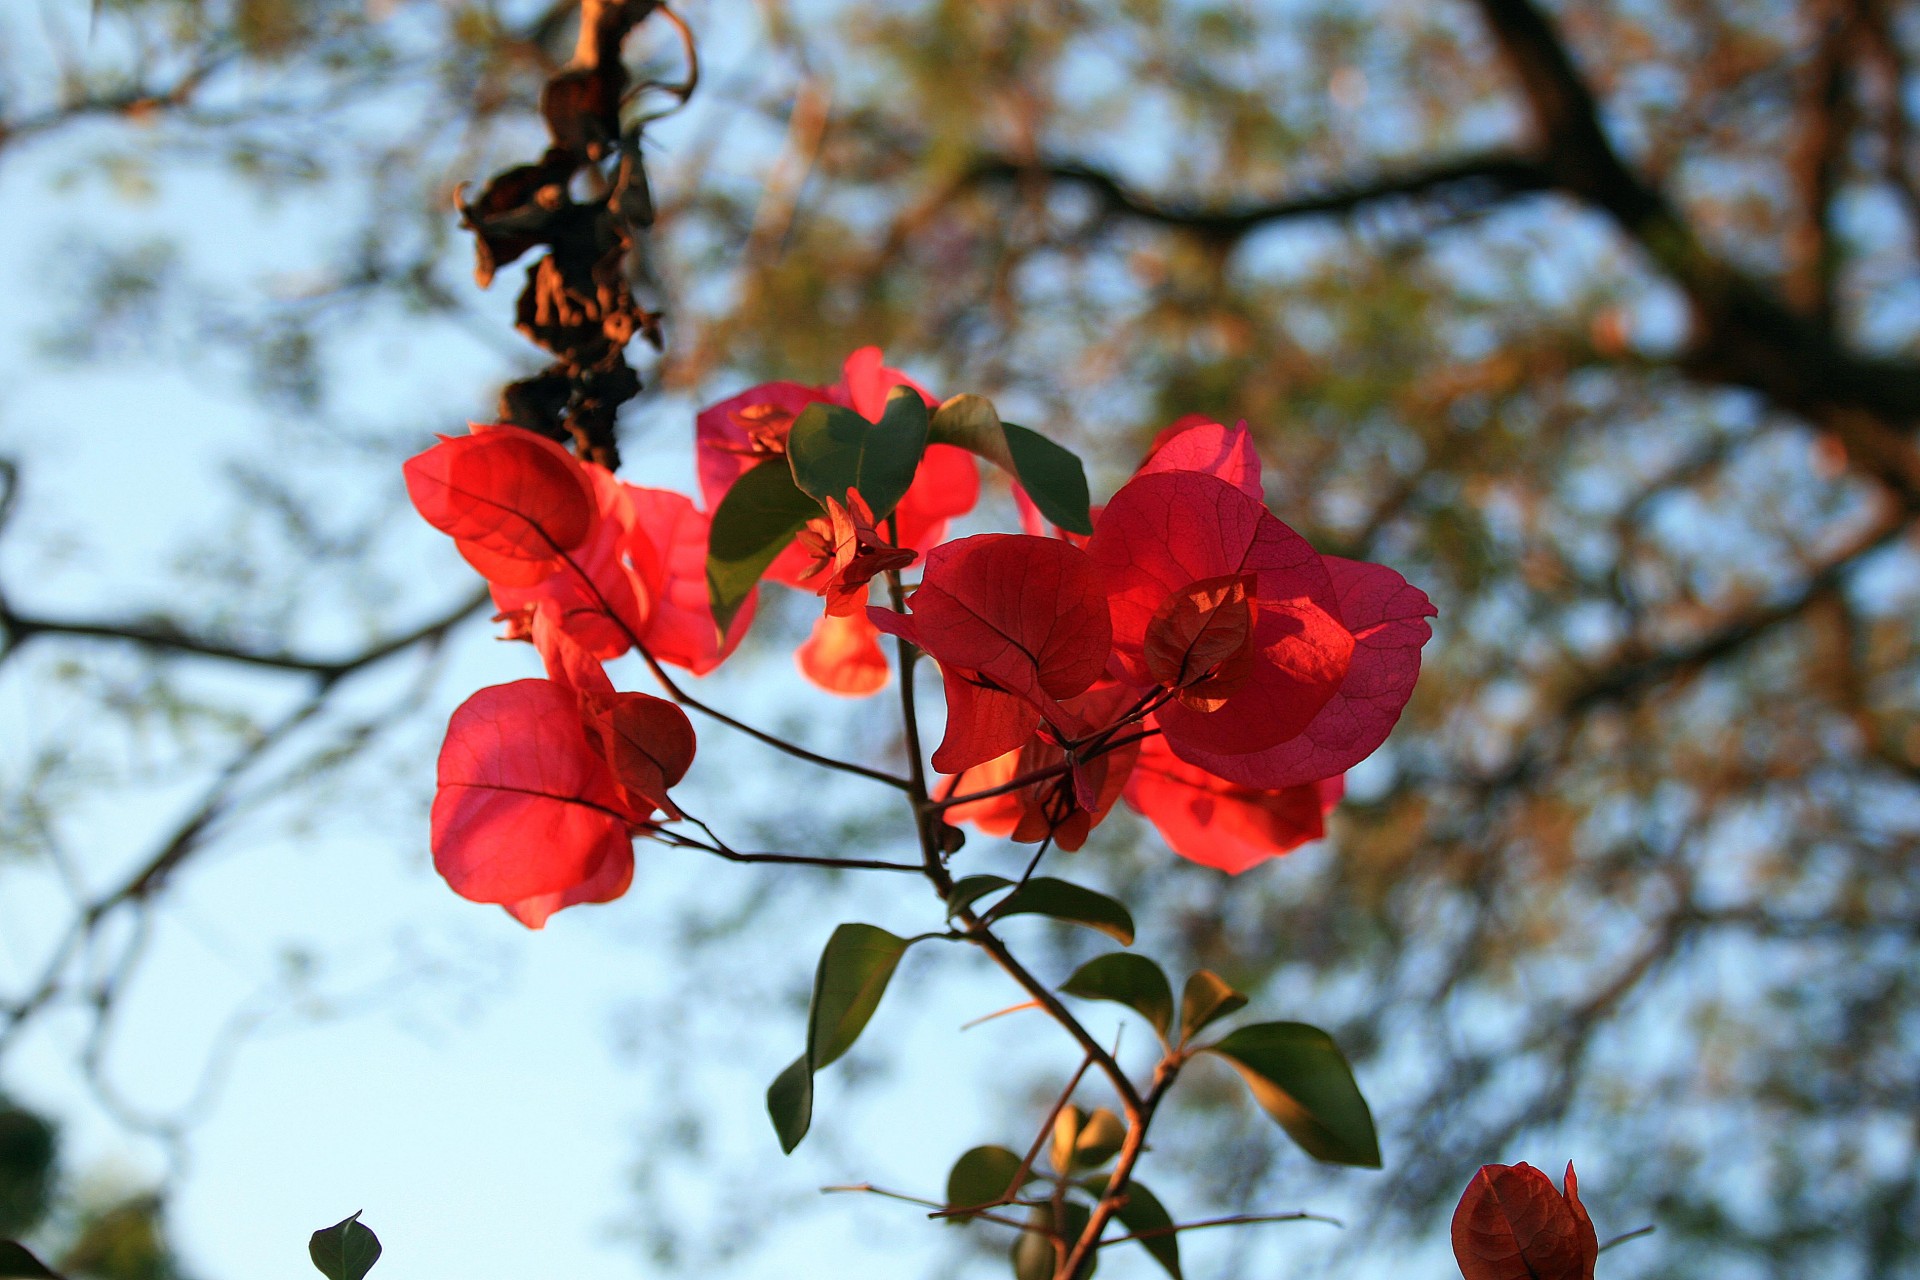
[843, 654]
[1194, 655]
[1223, 673]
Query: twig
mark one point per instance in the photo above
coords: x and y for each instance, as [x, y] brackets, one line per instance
[1635, 1234]
[1238, 1220]
[869, 1189]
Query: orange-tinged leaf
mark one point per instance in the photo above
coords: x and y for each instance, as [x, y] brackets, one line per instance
[506, 491]
[1220, 824]
[843, 656]
[1513, 1224]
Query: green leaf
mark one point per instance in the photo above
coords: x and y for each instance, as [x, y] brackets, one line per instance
[790, 1103]
[754, 523]
[970, 889]
[1206, 1000]
[1127, 979]
[16, 1263]
[984, 1175]
[832, 450]
[346, 1250]
[854, 970]
[1301, 1079]
[1033, 1255]
[1071, 903]
[1051, 475]
[1144, 1212]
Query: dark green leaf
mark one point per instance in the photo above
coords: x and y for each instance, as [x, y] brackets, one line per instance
[790, 1103]
[1051, 475]
[1071, 903]
[1206, 1000]
[854, 970]
[970, 889]
[1127, 979]
[832, 450]
[1300, 1077]
[346, 1250]
[983, 1175]
[1143, 1212]
[28, 1146]
[755, 521]
[16, 1263]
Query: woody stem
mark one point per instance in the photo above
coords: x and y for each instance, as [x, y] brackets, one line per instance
[1037, 775]
[976, 931]
[687, 700]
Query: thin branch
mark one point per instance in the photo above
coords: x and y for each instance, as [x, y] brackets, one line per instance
[677, 840]
[869, 1189]
[1238, 1220]
[1019, 1178]
[135, 103]
[1480, 179]
[1033, 776]
[687, 700]
[1635, 1234]
[169, 637]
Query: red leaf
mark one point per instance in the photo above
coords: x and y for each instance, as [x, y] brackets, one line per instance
[982, 721]
[1512, 1224]
[613, 878]
[1023, 615]
[866, 381]
[568, 662]
[995, 815]
[1388, 618]
[1166, 531]
[1199, 639]
[506, 571]
[526, 807]
[843, 656]
[648, 743]
[1067, 806]
[1220, 824]
[507, 491]
[598, 589]
[681, 629]
[737, 434]
[1197, 443]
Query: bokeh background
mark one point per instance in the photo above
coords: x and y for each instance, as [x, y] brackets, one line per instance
[1599, 321]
